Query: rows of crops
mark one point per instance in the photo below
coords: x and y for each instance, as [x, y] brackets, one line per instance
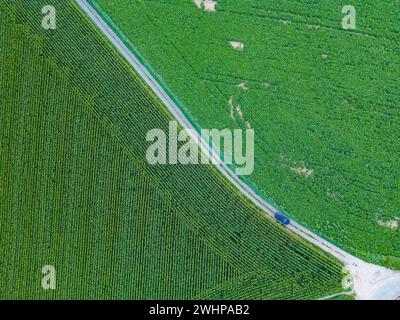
[76, 192]
[323, 101]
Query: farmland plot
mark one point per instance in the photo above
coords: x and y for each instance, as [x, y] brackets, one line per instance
[323, 101]
[77, 193]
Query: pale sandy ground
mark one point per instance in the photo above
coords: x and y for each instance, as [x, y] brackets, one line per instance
[243, 86]
[198, 3]
[237, 45]
[239, 112]
[208, 5]
[391, 224]
[372, 282]
[303, 171]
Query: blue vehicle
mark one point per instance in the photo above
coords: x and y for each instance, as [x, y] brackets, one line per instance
[282, 218]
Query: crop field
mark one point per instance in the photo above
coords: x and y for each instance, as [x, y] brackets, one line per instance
[77, 193]
[323, 101]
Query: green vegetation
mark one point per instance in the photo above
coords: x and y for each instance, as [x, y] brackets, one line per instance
[77, 193]
[323, 101]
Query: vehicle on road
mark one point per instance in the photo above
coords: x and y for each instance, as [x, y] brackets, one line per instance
[282, 218]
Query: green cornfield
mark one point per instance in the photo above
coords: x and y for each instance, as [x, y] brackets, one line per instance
[77, 193]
